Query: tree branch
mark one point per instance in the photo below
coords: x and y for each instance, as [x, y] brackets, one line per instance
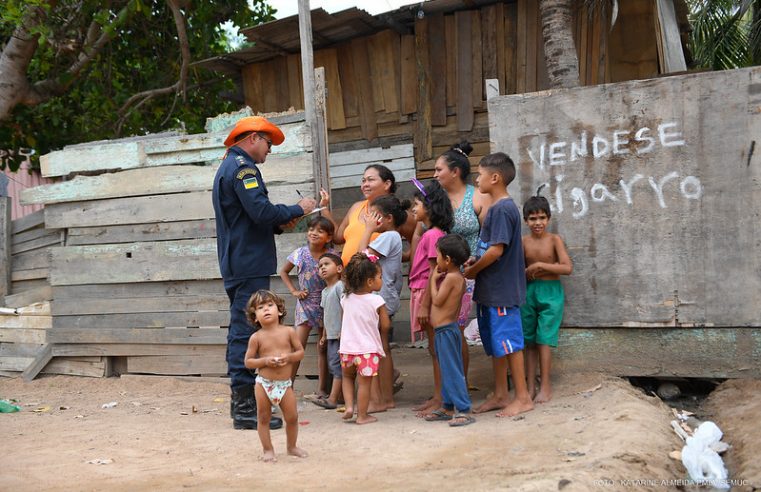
[45, 89]
[180, 86]
[14, 62]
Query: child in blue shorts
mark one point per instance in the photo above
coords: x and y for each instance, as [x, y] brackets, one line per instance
[501, 286]
[546, 259]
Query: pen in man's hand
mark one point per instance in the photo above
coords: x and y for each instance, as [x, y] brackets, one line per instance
[299, 193]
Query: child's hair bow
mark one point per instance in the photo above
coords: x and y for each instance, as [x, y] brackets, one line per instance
[373, 258]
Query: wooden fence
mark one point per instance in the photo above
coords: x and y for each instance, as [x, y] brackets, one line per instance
[133, 276]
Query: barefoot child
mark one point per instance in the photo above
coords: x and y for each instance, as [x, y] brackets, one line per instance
[447, 288]
[331, 267]
[384, 216]
[273, 349]
[361, 347]
[308, 311]
[501, 286]
[432, 208]
[541, 315]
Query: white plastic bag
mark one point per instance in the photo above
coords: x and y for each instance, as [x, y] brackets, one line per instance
[701, 461]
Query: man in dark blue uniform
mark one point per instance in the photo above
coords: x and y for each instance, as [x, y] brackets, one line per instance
[246, 226]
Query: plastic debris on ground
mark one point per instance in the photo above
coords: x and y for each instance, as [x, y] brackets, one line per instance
[700, 456]
[8, 407]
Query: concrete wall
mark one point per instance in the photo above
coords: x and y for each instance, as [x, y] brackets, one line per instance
[655, 187]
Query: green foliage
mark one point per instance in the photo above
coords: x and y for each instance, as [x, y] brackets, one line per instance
[724, 33]
[143, 55]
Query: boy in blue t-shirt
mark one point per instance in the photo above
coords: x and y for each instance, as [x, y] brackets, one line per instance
[501, 286]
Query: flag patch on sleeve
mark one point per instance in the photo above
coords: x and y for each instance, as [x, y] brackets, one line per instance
[250, 183]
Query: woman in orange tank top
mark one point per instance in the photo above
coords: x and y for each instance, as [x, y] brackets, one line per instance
[377, 180]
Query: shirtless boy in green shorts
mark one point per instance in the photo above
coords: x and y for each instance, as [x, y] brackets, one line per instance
[546, 259]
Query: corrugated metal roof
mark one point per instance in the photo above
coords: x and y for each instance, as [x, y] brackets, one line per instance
[281, 37]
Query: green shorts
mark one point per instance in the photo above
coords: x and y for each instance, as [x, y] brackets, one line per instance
[542, 313]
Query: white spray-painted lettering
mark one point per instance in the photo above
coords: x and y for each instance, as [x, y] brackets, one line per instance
[616, 144]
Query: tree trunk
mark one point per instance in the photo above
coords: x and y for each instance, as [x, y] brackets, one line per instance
[14, 61]
[559, 48]
[755, 34]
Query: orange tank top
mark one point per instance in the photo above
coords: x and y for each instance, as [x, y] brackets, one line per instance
[353, 234]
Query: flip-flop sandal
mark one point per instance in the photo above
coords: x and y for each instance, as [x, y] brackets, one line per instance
[437, 416]
[464, 420]
[324, 403]
[398, 386]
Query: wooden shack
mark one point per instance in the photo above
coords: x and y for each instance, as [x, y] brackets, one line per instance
[416, 75]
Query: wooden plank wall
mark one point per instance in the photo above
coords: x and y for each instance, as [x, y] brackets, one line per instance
[137, 278]
[374, 82]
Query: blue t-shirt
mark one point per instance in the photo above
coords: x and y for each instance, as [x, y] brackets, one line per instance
[503, 283]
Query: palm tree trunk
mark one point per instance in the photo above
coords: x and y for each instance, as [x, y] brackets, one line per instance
[559, 48]
[755, 34]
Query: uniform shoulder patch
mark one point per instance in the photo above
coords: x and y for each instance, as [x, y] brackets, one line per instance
[240, 160]
[250, 183]
[246, 171]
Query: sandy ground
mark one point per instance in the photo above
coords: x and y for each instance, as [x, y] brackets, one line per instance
[598, 433]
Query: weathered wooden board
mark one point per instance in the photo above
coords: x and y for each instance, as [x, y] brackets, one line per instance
[328, 58]
[93, 367]
[23, 335]
[209, 302]
[35, 273]
[39, 258]
[162, 180]
[346, 168]
[437, 52]
[42, 293]
[361, 59]
[409, 82]
[155, 336]
[130, 233]
[144, 320]
[160, 151]
[10, 363]
[176, 364]
[53, 237]
[654, 226]
[176, 207]
[30, 234]
[683, 352]
[192, 259]
[38, 362]
[31, 221]
[127, 349]
[143, 289]
[673, 55]
[10, 321]
[464, 71]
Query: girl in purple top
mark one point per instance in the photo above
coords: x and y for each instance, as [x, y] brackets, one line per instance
[433, 209]
[309, 293]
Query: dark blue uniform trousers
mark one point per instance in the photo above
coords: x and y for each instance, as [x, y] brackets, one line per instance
[454, 390]
[239, 292]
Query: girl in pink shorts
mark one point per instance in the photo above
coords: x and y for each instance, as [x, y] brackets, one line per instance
[361, 348]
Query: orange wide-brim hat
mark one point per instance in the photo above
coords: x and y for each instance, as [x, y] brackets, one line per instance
[255, 124]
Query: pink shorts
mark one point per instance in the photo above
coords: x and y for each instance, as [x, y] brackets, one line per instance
[367, 364]
[467, 303]
[416, 300]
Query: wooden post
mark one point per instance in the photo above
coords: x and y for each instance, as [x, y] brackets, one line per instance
[307, 74]
[673, 56]
[320, 136]
[5, 239]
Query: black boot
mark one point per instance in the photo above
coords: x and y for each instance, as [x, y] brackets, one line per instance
[243, 408]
